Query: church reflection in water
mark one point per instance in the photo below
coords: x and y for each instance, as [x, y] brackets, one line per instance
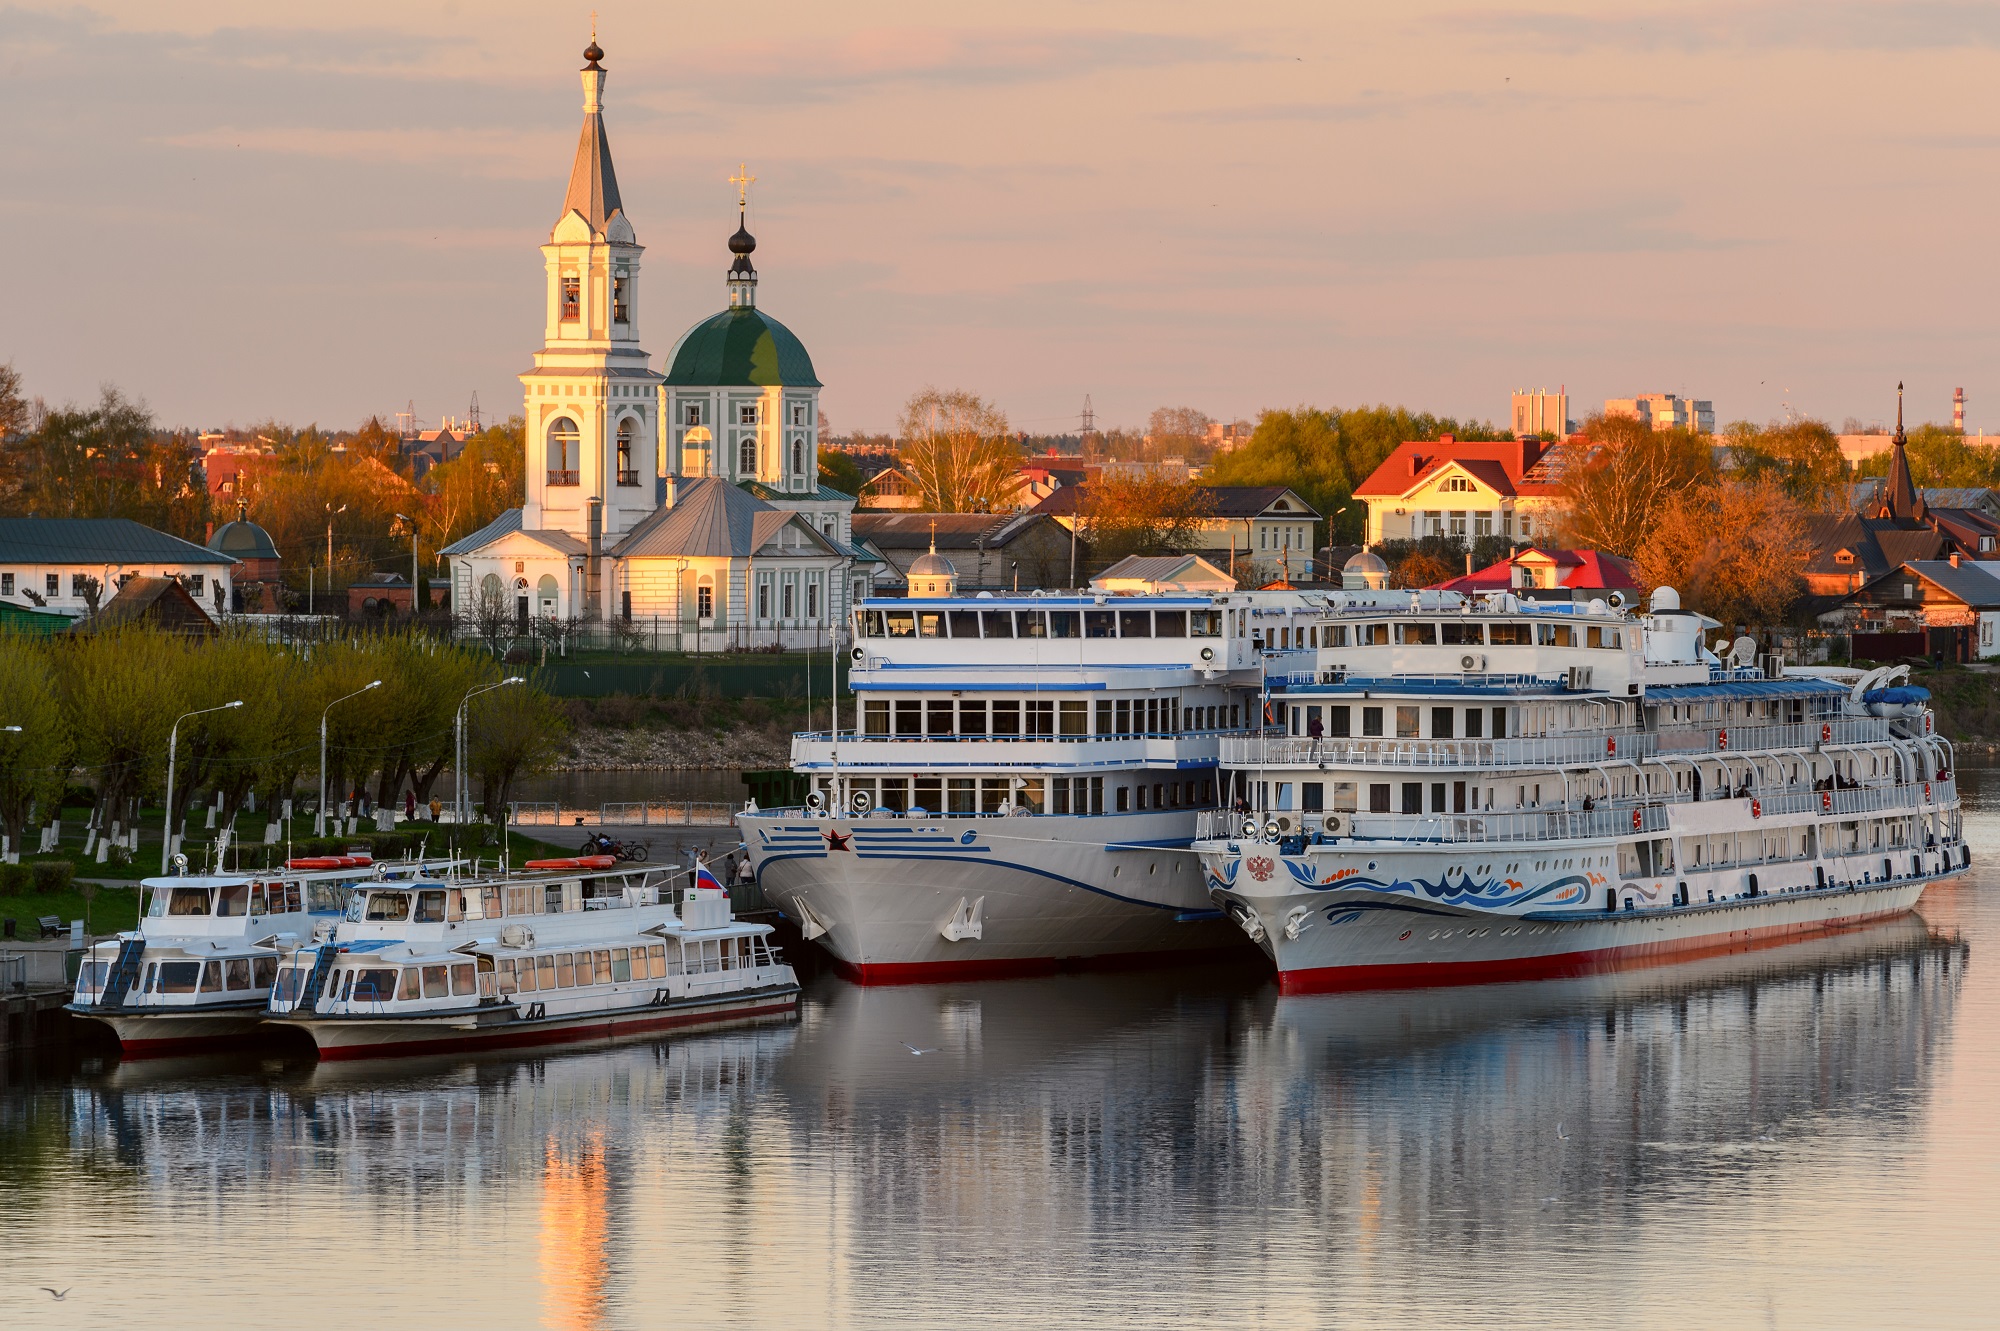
[1076, 1121]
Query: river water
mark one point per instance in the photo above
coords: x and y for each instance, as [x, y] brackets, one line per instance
[1800, 1137]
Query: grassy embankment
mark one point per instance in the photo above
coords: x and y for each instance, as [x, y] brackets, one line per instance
[1967, 703]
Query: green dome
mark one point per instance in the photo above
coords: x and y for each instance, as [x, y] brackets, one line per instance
[243, 539]
[741, 346]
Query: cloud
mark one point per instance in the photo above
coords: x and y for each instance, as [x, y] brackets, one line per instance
[1838, 25]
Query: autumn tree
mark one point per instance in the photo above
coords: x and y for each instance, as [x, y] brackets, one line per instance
[957, 450]
[1734, 549]
[106, 461]
[1614, 495]
[1803, 456]
[1177, 431]
[1421, 568]
[1125, 512]
[488, 477]
[314, 486]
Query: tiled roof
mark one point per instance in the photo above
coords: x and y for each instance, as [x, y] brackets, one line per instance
[1495, 463]
[903, 530]
[114, 541]
[1230, 501]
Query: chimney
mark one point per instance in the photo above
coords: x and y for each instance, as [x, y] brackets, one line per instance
[668, 498]
[1958, 410]
[1531, 452]
[1416, 463]
[1954, 559]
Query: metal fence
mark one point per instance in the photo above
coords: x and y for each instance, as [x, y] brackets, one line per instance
[13, 973]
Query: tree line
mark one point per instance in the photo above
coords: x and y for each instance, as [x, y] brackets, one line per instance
[94, 711]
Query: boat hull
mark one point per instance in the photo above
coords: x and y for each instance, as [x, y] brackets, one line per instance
[1329, 937]
[912, 901]
[159, 1035]
[340, 1038]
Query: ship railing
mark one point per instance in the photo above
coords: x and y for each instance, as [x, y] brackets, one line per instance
[631, 813]
[1530, 750]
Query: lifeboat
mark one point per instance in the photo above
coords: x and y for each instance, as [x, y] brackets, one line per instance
[573, 862]
[331, 862]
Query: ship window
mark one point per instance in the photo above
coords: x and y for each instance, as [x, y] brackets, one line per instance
[1461, 634]
[1170, 624]
[1312, 797]
[1337, 723]
[940, 716]
[929, 793]
[992, 794]
[1371, 722]
[930, 623]
[545, 972]
[1474, 717]
[1007, 718]
[1555, 635]
[600, 963]
[413, 984]
[1441, 719]
[1499, 723]
[902, 624]
[437, 982]
[959, 792]
[1031, 624]
[430, 907]
[963, 623]
[999, 623]
[1407, 722]
[1062, 623]
[1378, 797]
[909, 718]
[263, 971]
[464, 981]
[972, 718]
[1413, 797]
[1075, 718]
[188, 901]
[658, 953]
[871, 624]
[1123, 803]
[388, 906]
[236, 973]
[177, 977]
[1135, 623]
[566, 971]
[1099, 624]
[1205, 624]
[1509, 635]
[1417, 634]
[1343, 797]
[233, 899]
[1041, 719]
[1371, 635]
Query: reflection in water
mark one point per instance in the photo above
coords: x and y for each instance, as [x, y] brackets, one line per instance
[1131, 1149]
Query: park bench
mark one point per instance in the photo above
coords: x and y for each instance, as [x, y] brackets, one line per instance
[52, 926]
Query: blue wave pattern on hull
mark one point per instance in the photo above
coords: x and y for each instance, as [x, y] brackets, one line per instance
[1488, 893]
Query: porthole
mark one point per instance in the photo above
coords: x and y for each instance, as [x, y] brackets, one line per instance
[1117, 869]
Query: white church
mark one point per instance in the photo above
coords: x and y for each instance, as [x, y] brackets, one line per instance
[686, 502]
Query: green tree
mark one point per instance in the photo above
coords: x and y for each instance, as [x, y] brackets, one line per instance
[120, 693]
[107, 461]
[1802, 456]
[35, 759]
[837, 469]
[511, 733]
[1630, 470]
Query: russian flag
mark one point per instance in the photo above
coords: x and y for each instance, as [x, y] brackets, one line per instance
[703, 878]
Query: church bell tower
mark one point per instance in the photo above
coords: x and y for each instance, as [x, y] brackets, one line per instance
[592, 399]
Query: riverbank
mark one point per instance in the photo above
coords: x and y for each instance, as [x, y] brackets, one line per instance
[1966, 704]
[668, 749]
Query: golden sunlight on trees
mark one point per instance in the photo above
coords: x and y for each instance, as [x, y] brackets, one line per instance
[102, 461]
[1736, 550]
[1122, 513]
[957, 450]
[1177, 431]
[1802, 456]
[1613, 497]
[1940, 457]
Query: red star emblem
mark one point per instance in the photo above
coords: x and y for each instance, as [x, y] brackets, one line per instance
[838, 840]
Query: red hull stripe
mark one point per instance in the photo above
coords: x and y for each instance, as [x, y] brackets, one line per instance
[191, 1044]
[1006, 968]
[1563, 965]
[505, 1038]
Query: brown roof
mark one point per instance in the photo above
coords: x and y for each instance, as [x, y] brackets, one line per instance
[161, 602]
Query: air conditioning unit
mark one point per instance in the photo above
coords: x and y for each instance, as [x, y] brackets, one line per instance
[1472, 661]
[1579, 677]
[1774, 666]
[1332, 824]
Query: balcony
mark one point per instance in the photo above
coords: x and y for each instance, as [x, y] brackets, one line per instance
[624, 478]
[562, 478]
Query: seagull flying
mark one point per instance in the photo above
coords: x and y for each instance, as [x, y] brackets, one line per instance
[57, 1294]
[916, 1051]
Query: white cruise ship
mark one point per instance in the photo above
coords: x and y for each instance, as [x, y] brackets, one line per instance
[1460, 790]
[1021, 783]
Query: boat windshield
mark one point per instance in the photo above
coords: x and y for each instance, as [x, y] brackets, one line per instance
[187, 901]
[430, 907]
[388, 906]
[233, 899]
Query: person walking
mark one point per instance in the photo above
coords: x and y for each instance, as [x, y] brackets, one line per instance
[1315, 730]
[437, 809]
[410, 805]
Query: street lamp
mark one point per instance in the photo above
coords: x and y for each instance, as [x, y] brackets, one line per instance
[330, 511]
[458, 748]
[404, 517]
[173, 749]
[319, 819]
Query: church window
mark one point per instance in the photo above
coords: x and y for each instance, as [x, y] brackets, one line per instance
[747, 456]
[6, 584]
[789, 600]
[195, 584]
[812, 597]
[627, 475]
[704, 600]
[563, 451]
[799, 414]
[489, 586]
[619, 313]
[763, 596]
[747, 414]
[694, 413]
[572, 298]
[53, 583]
[799, 457]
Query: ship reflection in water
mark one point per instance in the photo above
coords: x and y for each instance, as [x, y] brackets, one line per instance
[1786, 1137]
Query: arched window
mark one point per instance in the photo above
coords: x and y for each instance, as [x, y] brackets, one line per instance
[704, 598]
[490, 585]
[746, 459]
[563, 451]
[545, 592]
[626, 475]
[798, 457]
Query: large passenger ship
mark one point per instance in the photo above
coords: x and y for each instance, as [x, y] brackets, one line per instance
[1460, 789]
[1022, 780]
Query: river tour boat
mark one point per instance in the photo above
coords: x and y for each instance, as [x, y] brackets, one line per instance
[558, 954]
[1459, 789]
[1020, 781]
[196, 972]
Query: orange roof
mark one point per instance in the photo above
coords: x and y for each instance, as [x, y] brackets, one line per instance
[1519, 467]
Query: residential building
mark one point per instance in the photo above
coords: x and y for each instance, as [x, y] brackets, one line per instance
[689, 497]
[1256, 533]
[891, 488]
[1586, 573]
[987, 551]
[1151, 575]
[1464, 490]
[63, 564]
[1541, 412]
[1954, 603]
[230, 468]
[1665, 411]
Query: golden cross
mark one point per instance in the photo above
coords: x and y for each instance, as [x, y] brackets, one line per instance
[593, 25]
[743, 180]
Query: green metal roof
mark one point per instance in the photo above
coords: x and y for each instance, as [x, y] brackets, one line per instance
[115, 541]
[741, 346]
[771, 494]
[20, 619]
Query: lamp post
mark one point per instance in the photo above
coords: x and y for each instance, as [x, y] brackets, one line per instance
[173, 751]
[319, 819]
[414, 605]
[458, 749]
[330, 511]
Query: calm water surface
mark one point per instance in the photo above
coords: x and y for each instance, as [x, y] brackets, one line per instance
[1802, 1137]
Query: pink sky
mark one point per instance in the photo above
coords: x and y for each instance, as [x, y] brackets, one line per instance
[236, 212]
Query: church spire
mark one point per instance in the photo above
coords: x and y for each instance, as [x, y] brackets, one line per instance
[742, 273]
[593, 184]
[1900, 497]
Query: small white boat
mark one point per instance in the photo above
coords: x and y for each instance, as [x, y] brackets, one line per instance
[555, 957]
[197, 971]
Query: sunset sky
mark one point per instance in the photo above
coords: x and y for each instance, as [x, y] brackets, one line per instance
[239, 211]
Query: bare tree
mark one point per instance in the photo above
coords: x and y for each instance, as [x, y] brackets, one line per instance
[957, 450]
[1612, 498]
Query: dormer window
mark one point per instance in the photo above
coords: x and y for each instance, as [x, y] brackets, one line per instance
[572, 299]
[619, 312]
[1843, 557]
[1457, 485]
